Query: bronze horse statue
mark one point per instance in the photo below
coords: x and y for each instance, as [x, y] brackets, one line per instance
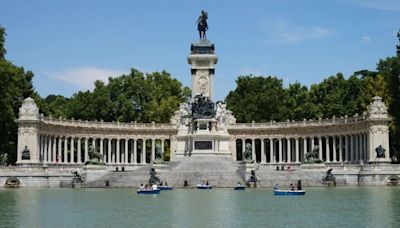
[202, 24]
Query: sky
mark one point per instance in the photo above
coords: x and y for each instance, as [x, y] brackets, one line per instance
[70, 44]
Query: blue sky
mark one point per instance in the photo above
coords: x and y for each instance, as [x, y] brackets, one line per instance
[70, 44]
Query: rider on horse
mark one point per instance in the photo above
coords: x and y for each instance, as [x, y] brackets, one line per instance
[202, 24]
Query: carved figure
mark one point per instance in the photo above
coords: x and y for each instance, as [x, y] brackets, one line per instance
[3, 159]
[202, 25]
[202, 84]
[26, 154]
[312, 156]
[380, 152]
[95, 157]
[78, 176]
[158, 152]
[247, 152]
[223, 116]
[153, 177]
[253, 177]
[202, 108]
[328, 176]
[184, 113]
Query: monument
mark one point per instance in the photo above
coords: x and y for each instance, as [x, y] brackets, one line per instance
[202, 124]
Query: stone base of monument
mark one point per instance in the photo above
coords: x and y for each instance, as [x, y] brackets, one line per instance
[313, 166]
[329, 183]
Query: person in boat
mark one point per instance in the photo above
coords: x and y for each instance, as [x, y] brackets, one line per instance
[161, 183]
[141, 186]
[207, 183]
[166, 184]
[292, 187]
[154, 187]
[276, 187]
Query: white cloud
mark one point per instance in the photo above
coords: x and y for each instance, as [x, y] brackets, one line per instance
[376, 4]
[84, 77]
[366, 39]
[284, 32]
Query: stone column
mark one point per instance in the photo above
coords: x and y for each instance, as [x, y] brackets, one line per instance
[109, 157]
[54, 149]
[312, 143]
[280, 150]
[118, 156]
[59, 150]
[72, 150]
[102, 148]
[134, 151]
[162, 148]
[253, 150]
[289, 150]
[79, 151]
[143, 151]
[86, 149]
[243, 147]
[346, 148]
[340, 148]
[320, 148]
[271, 150]
[304, 146]
[65, 149]
[357, 158]
[297, 151]
[351, 148]
[334, 148]
[126, 151]
[153, 150]
[327, 150]
[46, 148]
[365, 147]
[263, 158]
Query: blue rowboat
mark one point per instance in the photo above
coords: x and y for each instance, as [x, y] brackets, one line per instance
[165, 187]
[204, 186]
[289, 192]
[148, 191]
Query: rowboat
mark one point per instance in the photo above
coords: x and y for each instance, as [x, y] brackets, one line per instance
[204, 186]
[239, 187]
[148, 191]
[165, 187]
[278, 192]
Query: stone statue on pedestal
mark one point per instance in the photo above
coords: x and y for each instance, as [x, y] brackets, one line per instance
[247, 153]
[26, 154]
[95, 157]
[328, 176]
[380, 152]
[312, 156]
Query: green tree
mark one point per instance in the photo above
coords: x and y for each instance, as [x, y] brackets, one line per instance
[389, 68]
[257, 98]
[15, 86]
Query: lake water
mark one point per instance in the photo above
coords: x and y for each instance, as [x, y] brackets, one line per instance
[320, 207]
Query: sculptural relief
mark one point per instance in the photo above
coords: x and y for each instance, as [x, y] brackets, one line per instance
[202, 84]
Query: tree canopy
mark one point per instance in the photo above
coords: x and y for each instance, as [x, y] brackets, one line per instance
[133, 97]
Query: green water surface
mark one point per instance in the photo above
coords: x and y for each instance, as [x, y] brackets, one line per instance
[320, 207]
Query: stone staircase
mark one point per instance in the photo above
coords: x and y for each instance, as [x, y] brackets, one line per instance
[218, 171]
